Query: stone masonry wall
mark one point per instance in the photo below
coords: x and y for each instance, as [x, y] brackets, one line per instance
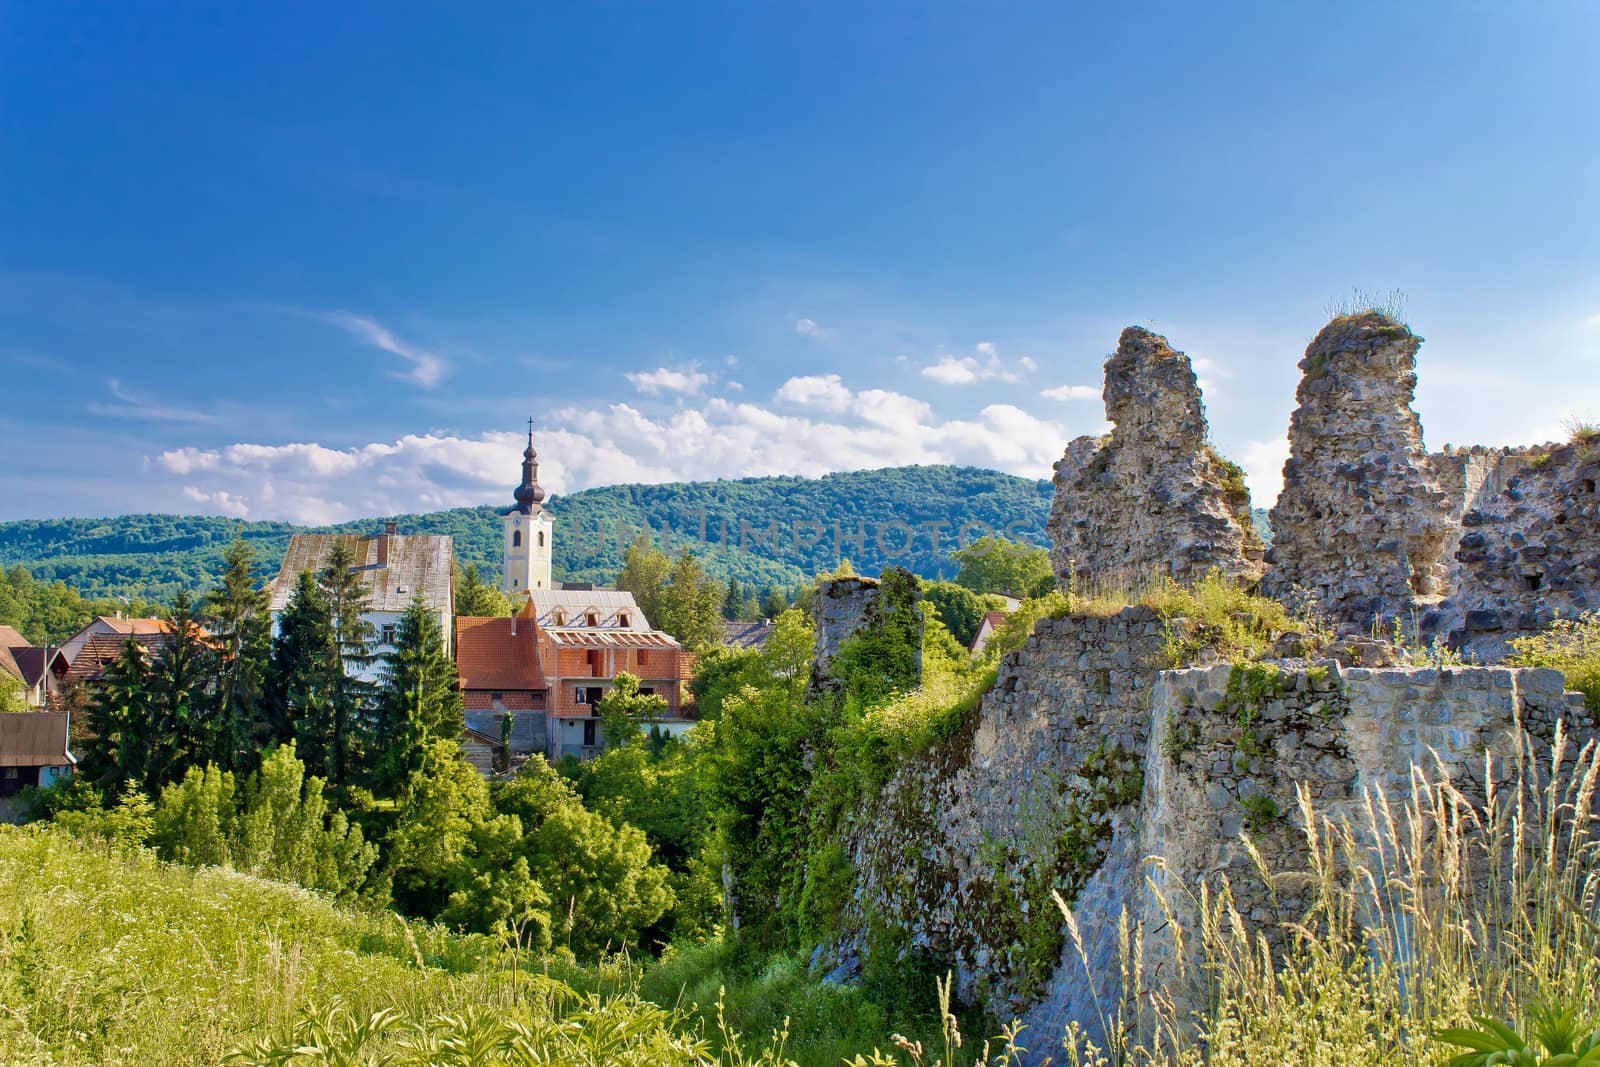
[1529, 550]
[1151, 498]
[1220, 762]
[1362, 524]
[964, 842]
[1087, 758]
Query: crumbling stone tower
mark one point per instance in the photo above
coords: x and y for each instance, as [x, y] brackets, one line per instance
[1362, 523]
[1151, 498]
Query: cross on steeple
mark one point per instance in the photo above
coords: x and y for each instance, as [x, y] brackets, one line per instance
[529, 495]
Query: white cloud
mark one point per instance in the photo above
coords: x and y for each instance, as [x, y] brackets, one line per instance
[687, 379]
[985, 366]
[953, 371]
[1592, 320]
[1071, 392]
[221, 501]
[580, 447]
[427, 368]
[808, 328]
[825, 391]
[1263, 467]
[129, 405]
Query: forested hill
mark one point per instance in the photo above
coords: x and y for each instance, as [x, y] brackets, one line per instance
[767, 532]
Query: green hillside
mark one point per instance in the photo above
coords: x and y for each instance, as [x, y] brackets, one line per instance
[764, 531]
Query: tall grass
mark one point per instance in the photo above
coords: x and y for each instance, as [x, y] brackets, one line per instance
[1427, 910]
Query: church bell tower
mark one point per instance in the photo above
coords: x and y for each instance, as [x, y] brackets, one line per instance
[528, 530]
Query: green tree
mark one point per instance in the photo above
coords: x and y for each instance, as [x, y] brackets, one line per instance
[603, 886]
[477, 598]
[625, 712]
[345, 592]
[13, 694]
[419, 699]
[241, 630]
[773, 603]
[180, 685]
[693, 607]
[431, 847]
[645, 572]
[784, 662]
[655, 791]
[993, 564]
[960, 609]
[301, 678]
[739, 604]
[753, 778]
[120, 714]
[286, 829]
[278, 825]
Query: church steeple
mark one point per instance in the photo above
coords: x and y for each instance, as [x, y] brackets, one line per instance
[529, 532]
[529, 496]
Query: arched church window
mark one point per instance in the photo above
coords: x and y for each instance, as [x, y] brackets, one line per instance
[541, 538]
[516, 538]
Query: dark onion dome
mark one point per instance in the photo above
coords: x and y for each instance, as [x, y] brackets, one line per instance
[529, 495]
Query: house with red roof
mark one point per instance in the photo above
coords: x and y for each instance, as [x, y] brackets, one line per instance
[548, 666]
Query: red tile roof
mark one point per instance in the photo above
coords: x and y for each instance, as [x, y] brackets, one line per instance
[10, 638]
[137, 626]
[101, 649]
[489, 656]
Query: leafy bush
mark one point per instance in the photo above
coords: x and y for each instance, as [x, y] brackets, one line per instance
[1571, 646]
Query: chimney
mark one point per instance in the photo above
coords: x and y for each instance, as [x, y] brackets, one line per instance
[383, 543]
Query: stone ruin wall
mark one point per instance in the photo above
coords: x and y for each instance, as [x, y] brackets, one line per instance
[1085, 727]
[1361, 528]
[1467, 547]
[841, 607]
[1062, 732]
[1086, 710]
[1528, 549]
[1151, 498]
[1345, 734]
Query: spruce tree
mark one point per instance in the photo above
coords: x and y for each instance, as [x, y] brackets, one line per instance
[345, 594]
[419, 700]
[476, 597]
[693, 605]
[300, 681]
[242, 633]
[180, 689]
[733, 605]
[119, 722]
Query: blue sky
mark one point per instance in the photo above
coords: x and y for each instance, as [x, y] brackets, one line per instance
[319, 261]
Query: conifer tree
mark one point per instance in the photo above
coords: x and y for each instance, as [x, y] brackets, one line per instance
[242, 635]
[476, 597]
[644, 574]
[119, 722]
[350, 695]
[418, 702]
[300, 686]
[733, 605]
[693, 609]
[179, 686]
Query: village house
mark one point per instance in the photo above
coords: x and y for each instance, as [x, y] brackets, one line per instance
[33, 752]
[992, 621]
[84, 656]
[549, 665]
[395, 569]
[25, 663]
[746, 634]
